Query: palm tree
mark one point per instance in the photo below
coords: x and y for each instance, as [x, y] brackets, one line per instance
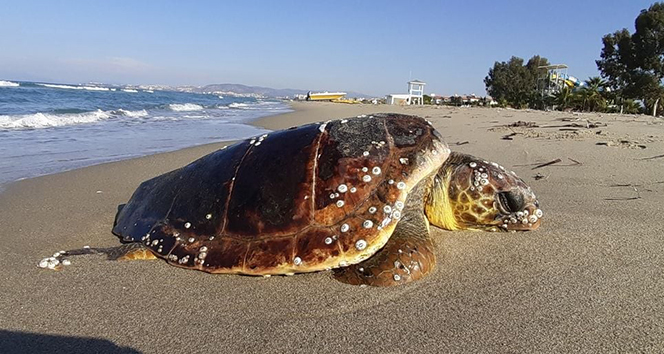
[592, 94]
[563, 98]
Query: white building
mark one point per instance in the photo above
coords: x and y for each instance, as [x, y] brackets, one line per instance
[415, 94]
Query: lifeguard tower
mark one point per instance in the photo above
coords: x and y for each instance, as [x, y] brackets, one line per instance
[415, 94]
[416, 91]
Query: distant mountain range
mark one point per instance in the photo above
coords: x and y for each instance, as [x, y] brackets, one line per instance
[263, 91]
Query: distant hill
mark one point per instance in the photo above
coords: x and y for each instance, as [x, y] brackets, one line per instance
[265, 91]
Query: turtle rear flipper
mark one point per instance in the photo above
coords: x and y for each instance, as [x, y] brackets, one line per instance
[407, 256]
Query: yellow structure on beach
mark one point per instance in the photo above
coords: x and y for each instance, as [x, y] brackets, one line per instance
[325, 96]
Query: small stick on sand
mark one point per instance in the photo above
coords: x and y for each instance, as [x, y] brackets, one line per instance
[509, 136]
[575, 162]
[546, 164]
[638, 195]
[462, 142]
[652, 157]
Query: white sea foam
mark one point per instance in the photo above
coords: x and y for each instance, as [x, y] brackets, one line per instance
[133, 114]
[185, 107]
[261, 105]
[129, 90]
[88, 88]
[8, 84]
[46, 120]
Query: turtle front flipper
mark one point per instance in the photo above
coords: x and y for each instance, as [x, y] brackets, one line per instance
[124, 252]
[407, 256]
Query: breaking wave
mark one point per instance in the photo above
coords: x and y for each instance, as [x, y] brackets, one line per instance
[8, 84]
[261, 105]
[89, 88]
[183, 107]
[46, 120]
[133, 114]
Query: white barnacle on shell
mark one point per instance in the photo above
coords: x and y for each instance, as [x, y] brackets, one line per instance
[191, 240]
[342, 188]
[328, 240]
[375, 170]
[401, 185]
[397, 277]
[343, 121]
[372, 210]
[208, 216]
[345, 228]
[472, 164]
[361, 244]
[252, 141]
[539, 213]
[399, 205]
[366, 178]
[332, 196]
[322, 127]
[403, 160]
[353, 189]
[297, 261]
[203, 249]
[340, 203]
[365, 169]
[532, 219]
[187, 225]
[367, 224]
[366, 153]
[396, 215]
[387, 209]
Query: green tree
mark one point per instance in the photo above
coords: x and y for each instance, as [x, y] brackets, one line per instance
[633, 64]
[514, 83]
[593, 100]
[563, 99]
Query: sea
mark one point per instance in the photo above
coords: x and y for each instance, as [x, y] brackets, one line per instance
[47, 128]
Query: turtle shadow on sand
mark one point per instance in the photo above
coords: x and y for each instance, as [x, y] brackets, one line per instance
[36, 343]
[357, 196]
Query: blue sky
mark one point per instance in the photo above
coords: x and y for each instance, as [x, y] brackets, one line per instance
[373, 47]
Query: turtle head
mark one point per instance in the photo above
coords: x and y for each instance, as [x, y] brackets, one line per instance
[470, 193]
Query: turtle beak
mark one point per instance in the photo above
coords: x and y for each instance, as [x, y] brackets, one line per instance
[515, 214]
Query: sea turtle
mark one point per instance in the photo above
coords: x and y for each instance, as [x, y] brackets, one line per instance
[355, 195]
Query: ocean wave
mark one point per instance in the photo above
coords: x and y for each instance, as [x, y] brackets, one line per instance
[132, 114]
[8, 84]
[261, 105]
[46, 120]
[88, 88]
[185, 107]
[130, 90]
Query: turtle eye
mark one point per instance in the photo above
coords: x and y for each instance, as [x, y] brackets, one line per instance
[510, 201]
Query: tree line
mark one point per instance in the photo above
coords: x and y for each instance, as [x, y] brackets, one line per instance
[631, 69]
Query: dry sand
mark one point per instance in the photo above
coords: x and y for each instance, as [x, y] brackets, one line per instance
[590, 279]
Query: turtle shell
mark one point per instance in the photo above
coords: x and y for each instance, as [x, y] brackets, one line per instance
[314, 197]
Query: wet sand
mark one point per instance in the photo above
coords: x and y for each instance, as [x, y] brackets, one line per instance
[590, 279]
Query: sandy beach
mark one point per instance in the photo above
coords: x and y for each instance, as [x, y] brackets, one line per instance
[590, 279]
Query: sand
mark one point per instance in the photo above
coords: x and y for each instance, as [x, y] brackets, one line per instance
[590, 279]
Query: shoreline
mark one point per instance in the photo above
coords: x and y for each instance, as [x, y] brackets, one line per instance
[590, 278]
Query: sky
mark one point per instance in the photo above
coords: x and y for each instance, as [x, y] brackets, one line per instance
[371, 47]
